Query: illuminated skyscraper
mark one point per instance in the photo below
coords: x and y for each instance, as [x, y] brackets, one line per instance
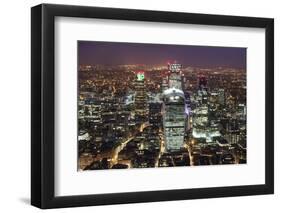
[174, 119]
[200, 122]
[203, 127]
[140, 98]
[174, 109]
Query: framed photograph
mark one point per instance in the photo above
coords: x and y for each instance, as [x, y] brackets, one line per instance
[139, 106]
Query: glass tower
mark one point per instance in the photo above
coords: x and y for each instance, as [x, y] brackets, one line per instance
[174, 119]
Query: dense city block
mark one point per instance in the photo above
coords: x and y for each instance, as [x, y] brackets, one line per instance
[146, 116]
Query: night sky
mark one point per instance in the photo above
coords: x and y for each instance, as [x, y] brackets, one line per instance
[115, 53]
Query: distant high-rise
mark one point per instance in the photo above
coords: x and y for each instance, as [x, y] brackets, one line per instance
[221, 96]
[202, 83]
[175, 78]
[140, 98]
[165, 83]
[202, 90]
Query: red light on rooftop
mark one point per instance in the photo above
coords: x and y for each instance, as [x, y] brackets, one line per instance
[139, 72]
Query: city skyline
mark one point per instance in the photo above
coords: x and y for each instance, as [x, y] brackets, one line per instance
[92, 52]
[146, 115]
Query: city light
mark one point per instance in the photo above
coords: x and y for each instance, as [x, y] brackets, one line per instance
[160, 115]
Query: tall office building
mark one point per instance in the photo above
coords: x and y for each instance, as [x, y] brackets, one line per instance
[221, 96]
[141, 110]
[187, 110]
[203, 127]
[174, 110]
[202, 83]
[232, 134]
[155, 114]
[174, 119]
[165, 83]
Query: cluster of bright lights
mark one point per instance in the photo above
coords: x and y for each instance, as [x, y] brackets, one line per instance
[174, 97]
[175, 67]
[140, 75]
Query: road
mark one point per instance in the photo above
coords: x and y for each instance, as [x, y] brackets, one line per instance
[118, 149]
[161, 151]
[190, 155]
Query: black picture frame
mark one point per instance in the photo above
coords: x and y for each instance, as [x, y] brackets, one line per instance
[43, 102]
